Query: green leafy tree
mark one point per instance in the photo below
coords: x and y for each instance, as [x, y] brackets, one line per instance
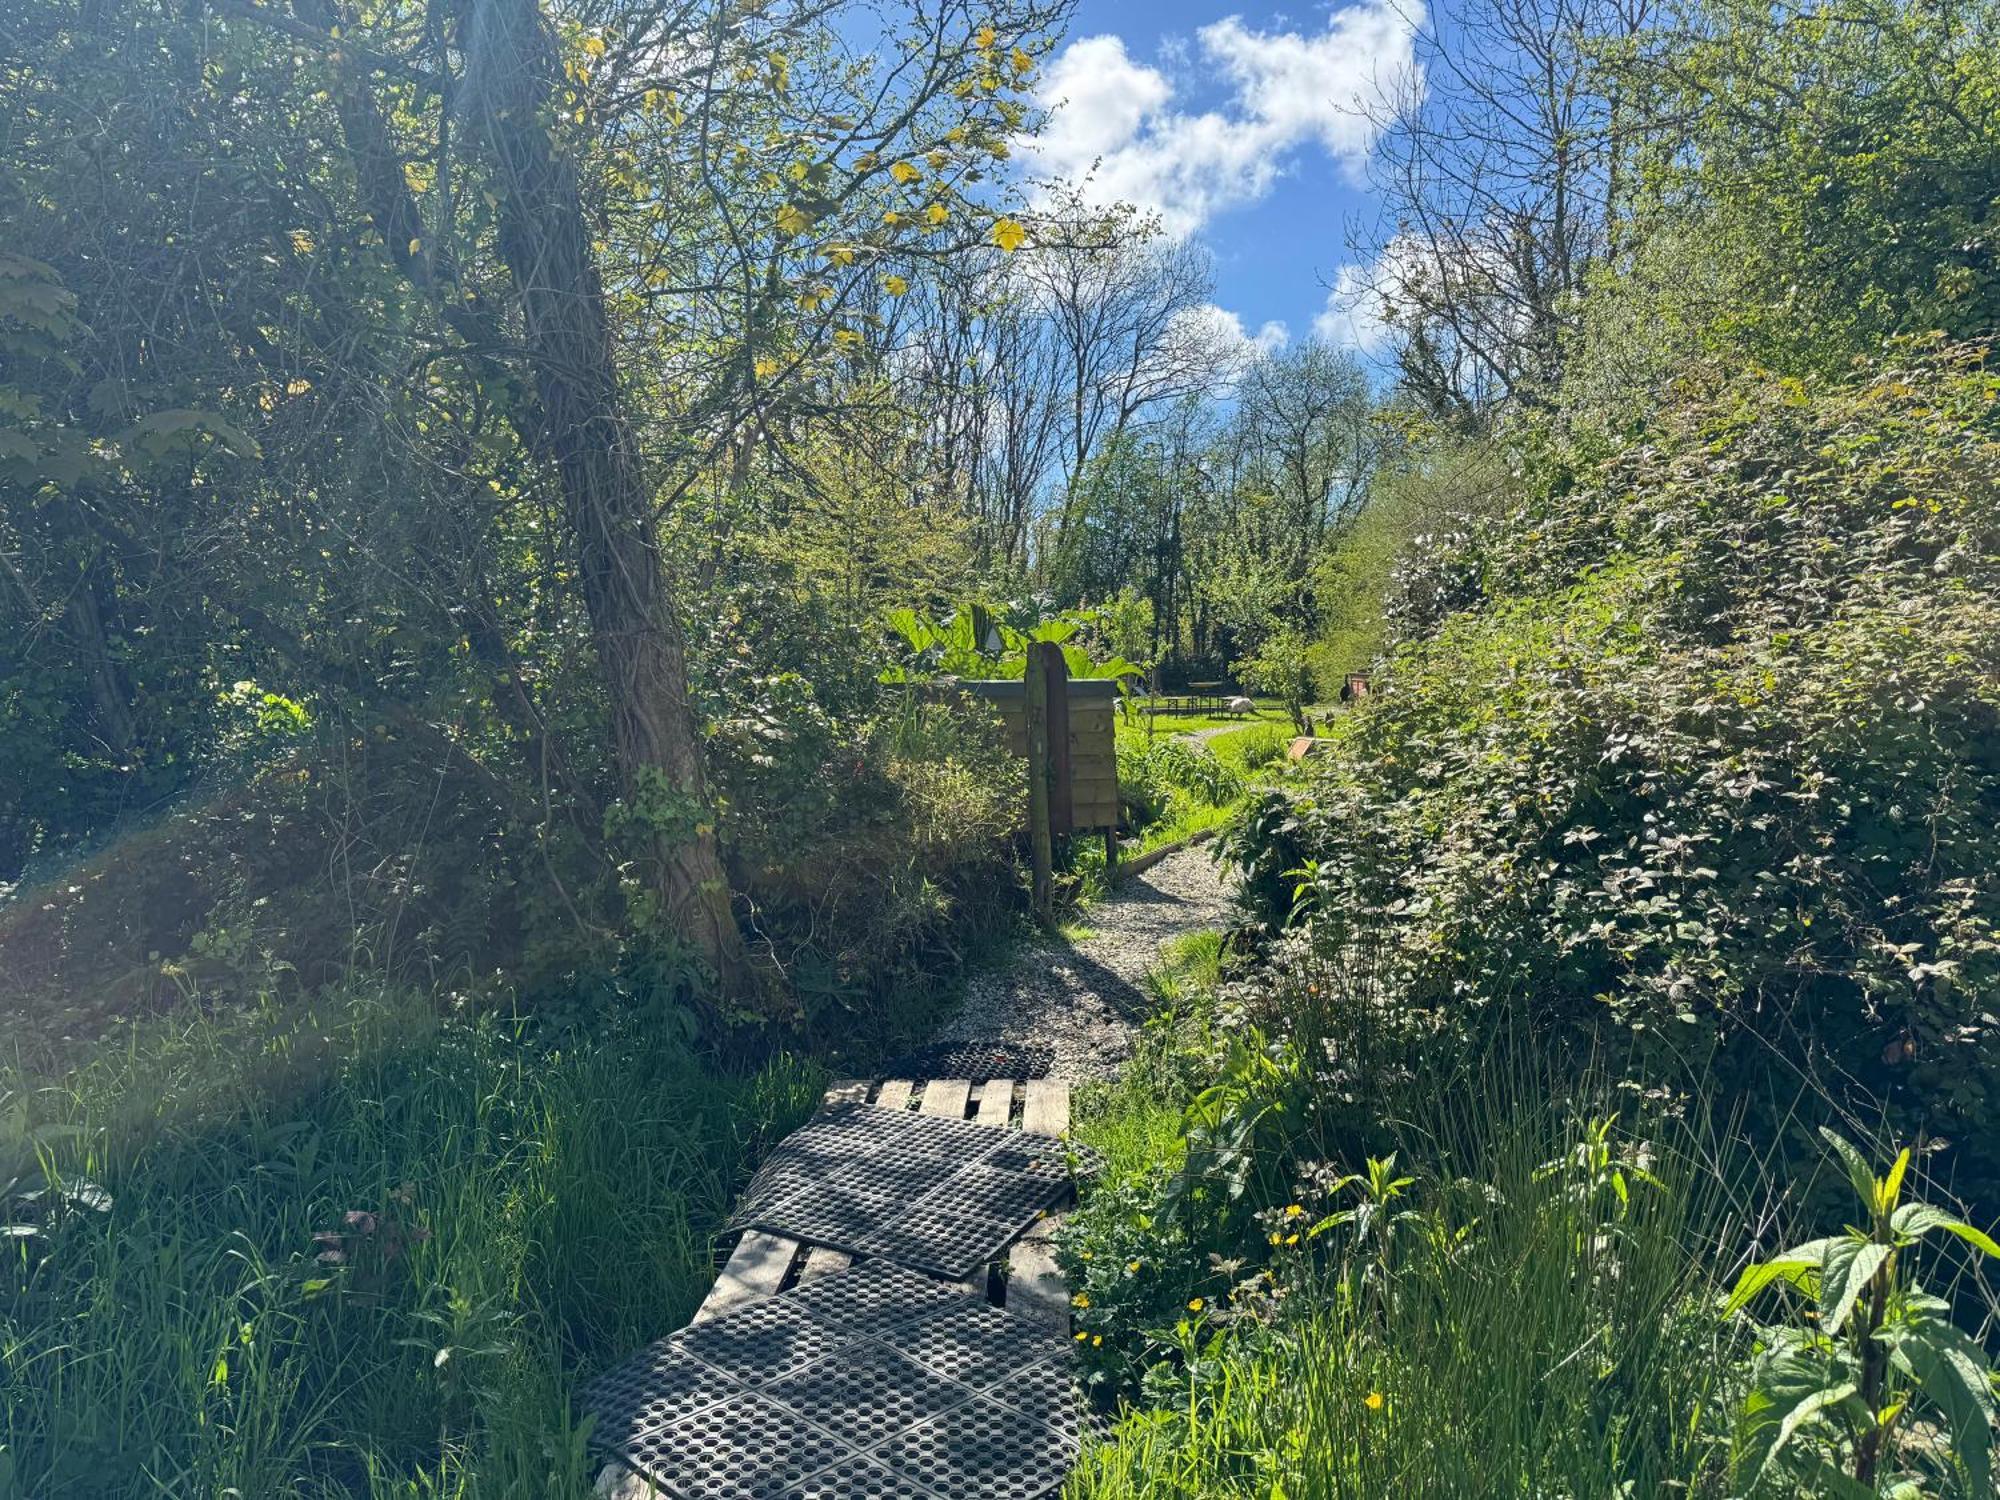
[1282, 667]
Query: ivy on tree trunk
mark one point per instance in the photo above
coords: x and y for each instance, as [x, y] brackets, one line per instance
[623, 576]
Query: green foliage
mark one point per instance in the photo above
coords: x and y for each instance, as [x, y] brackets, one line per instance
[1838, 171]
[1282, 667]
[1255, 748]
[353, 1247]
[1854, 1398]
[976, 641]
[1155, 780]
[1501, 1297]
[1708, 752]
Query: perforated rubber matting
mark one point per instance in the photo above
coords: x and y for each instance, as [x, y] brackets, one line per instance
[942, 1195]
[919, 1391]
[978, 1060]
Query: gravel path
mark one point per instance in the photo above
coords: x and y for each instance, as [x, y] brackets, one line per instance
[1085, 998]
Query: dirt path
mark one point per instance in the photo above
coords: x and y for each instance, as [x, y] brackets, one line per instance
[1085, 998]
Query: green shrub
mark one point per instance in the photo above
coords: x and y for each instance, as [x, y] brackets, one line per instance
[1874, 1390]
[1511, 1302]
[1172, 780]
[1251, 749]
[1709, 750]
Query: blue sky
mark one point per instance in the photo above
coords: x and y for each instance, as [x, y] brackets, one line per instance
[1244, 128]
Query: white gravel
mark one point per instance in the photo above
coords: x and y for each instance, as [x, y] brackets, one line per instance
[1086, 998]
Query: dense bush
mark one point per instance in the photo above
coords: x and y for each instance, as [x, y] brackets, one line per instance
[1706, 743]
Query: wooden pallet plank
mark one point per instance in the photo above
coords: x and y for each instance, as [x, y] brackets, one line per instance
[1045, 1111]
[824, 1260]
[1035, 1286]
[756, 1268]
[847, 1091]
[996, 1101]
[946, 1098]
[895, 1094]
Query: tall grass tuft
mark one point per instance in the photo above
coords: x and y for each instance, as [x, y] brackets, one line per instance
[1532, 1314]
[352, 1247]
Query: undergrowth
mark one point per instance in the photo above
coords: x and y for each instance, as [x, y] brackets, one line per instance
[352, 1247]
[1327, 1262]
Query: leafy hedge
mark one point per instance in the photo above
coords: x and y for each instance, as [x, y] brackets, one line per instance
[1705, 742]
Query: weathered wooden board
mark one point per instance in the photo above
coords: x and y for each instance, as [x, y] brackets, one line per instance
[1090, 742]
[996, 1101]
[946, 1097]
[1035, 1286]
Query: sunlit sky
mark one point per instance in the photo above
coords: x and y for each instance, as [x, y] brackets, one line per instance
[1242, 128]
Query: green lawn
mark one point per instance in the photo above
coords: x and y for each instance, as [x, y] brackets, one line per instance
[1142, 727]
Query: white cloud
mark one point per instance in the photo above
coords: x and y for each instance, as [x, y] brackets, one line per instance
[1105, 96]
[1352, 317]
[1225, 331]
[1114, 130]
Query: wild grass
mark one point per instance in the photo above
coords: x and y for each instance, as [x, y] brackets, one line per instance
[1517, 1296]
[1136, 1122]
[1502, 1326]
[1254, 749]
[352, 1247]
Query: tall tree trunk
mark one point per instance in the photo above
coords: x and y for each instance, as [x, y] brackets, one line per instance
[626, 588]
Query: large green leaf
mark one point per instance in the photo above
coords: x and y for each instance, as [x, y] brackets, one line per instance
[1953, 1372]
[1859, 1173]
[1800, 1266]
[1849, 1266]
[164, 432]
[1790, 1394]
[1914, 1220]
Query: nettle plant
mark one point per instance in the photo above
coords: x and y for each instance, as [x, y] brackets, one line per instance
[1874, 1391]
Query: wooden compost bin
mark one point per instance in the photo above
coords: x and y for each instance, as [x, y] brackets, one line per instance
[1082, 753]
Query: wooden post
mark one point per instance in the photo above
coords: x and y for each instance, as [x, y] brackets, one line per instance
[1040, 842]
[1062, 790]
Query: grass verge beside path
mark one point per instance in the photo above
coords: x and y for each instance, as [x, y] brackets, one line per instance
[1477, 1292]
[353, 1248]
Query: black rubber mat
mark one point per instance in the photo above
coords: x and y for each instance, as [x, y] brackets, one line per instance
[921, 1392]
[945, 1196]
[978, 1059]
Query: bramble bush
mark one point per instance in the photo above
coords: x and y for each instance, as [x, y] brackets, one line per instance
[1705, 743]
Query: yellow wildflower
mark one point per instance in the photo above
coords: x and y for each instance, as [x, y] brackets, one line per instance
[1373, 1401]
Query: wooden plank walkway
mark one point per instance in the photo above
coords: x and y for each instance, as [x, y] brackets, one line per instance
[1030, 1284]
